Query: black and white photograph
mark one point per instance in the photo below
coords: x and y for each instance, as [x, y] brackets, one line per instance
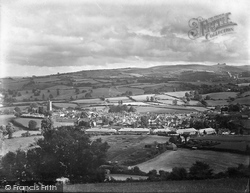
[125, 96]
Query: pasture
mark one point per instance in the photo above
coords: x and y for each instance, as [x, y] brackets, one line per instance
[5, 119]
[242, 101]
[218, 161]
[167, 109]
[215, 185]
[127, 147]
[221, 95]
[19, 142]
[65, 105]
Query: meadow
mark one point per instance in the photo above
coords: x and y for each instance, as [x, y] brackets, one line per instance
[218, 161]
[215, 185]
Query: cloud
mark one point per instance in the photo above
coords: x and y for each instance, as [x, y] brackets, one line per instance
[93, 33]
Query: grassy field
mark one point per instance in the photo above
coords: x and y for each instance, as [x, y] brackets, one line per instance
[242, 101]
[89, 101]
[164, 110]
[20, 142]
[126, 147]
[220, 185]
[5, 119]
[221, 95]
[216, 102]
[65, 105]
[178, 94]
[25, 121]
[218, 161]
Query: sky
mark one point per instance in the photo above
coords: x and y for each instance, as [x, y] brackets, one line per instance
[50, 36]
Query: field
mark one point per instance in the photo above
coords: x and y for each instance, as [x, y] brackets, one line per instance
[178, 94]
[89, 101]
[221, 95]
[65, 105]
[242, 101]
[169, 109]
[123, 146]
[4, 119]
[220, 185]
[20, 142]
[216, 102]
[218, 161]
[25, 122]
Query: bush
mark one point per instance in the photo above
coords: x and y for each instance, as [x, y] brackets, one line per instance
[200, 170]
[178, 174]
[32, 125]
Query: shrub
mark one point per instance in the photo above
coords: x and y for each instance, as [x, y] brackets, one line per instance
[32, 125]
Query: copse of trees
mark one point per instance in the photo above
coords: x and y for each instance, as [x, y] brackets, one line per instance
[65, 151]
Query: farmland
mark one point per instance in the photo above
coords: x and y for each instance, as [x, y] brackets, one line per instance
[126, 147]
[218, 161]
[220, 185]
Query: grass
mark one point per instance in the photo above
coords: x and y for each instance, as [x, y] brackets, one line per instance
[242, 101]
[20, 142]
[221, 95]
[220, 185]
[123, 146]
[25, 121]
[5, 119]
[218, 161]
[65, 105]
[169, 109]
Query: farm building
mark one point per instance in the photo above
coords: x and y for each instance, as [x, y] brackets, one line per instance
[161, 131]
[190, 131]
[207, 131]
[134, 131]
[97, 131]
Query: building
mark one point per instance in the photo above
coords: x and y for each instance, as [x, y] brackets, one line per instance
[49, 106]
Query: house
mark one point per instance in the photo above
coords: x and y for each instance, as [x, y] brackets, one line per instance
[207, 131]
[134, 131]
[190, 131]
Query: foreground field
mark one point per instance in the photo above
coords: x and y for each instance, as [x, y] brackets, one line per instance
[218, 161]
[220, 185]
[125, 148]
[20, 142]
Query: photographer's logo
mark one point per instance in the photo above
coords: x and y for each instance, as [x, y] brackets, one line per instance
[212, 27]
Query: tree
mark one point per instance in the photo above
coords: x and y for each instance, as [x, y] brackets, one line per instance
[147, 99]
[200, 170]
[68, 153]
[33, 105]
[77, 91]
[131, 109]
[10, 130]
[57, 92]
[88, 95]
[32, 125]
[18, 111]
[174, 102]
[51, 96]
[47, 126]
[178, 173]
[187, 95]
[203, 102]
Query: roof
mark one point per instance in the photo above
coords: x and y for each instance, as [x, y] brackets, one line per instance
[188, 130]
[135, 129]
[104, 130]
